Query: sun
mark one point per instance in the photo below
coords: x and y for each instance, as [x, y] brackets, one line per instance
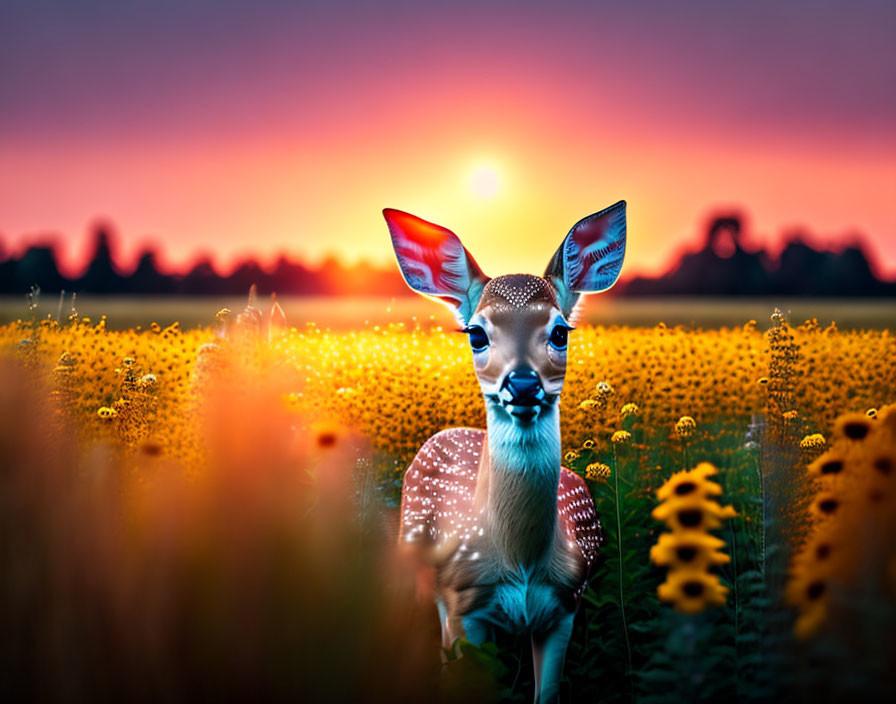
[485, 182]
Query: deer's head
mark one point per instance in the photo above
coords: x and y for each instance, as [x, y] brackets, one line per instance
[517, 324]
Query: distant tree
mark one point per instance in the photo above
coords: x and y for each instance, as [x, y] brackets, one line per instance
[37, 267]
[202, 279]
[146, 277]
[102, 275]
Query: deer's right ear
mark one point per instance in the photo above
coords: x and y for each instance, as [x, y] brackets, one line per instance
[435, 263]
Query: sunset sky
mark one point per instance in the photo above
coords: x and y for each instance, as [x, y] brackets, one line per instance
[237, 128]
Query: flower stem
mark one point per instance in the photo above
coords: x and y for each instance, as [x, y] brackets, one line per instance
[628, 648]
[736, 605]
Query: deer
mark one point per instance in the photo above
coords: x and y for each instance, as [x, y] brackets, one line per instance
[510, 533]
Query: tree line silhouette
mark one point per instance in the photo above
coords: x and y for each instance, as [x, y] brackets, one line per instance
[723, 266]
[38, 267]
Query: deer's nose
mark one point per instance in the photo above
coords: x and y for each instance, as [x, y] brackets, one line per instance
[522, 387]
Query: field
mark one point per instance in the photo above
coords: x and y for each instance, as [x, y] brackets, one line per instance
[207, 510]
[123, 312]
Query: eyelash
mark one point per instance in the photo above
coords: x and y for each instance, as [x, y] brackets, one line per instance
[477, 335]
[559, 337]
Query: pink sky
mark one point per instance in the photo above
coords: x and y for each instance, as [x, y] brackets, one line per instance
[285, 127]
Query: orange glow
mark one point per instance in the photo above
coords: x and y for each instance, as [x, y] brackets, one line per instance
[409, 136]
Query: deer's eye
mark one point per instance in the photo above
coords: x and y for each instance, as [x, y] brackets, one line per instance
[559, 337]
[478, 337]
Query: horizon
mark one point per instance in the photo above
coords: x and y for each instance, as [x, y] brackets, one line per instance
[200, 127]
[125, 264]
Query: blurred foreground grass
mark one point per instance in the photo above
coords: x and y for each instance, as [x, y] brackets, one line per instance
[204, 513]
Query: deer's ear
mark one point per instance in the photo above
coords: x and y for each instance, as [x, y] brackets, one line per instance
[590, 258]
[435, 263]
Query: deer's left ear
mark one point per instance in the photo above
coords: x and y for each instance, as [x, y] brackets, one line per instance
[590, 258]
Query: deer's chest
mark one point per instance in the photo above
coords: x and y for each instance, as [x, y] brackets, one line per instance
[525, 603]
[519, 599]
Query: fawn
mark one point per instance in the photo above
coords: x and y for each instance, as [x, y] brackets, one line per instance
[511, 533]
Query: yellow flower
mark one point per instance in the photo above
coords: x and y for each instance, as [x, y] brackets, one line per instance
[571, 456]
[809, 591]
[685, 426]
[791, 415]
[763, 380]
[106, 412]
[826, 504]
[852, 426]
[871, 413]
[812, 619]
[688, 550]
[830, 464]
[812, 441]
[603, 388]
[588, 444]
[597, 471]
[692, 591]
[630, 409]
[588, 404]
[692, 513]
[694, 482]
[621, 436]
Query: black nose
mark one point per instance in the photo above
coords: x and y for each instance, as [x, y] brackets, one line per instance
[522, 387]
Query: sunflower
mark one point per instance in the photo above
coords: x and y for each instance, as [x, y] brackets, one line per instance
[810, 620]
[603, 388]
[692, 513]
[809, 590]
[812, 441]
[692, 591]
[826, 504]
[853, 426]
[830, 464]
[630, 409]
[883, 465]
[693, 482]
[597, 471]
[685, 426]
[692, 550]
[620, 437]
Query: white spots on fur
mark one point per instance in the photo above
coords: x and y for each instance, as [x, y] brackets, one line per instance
[517, 290]
[438, 493]
[437, 501]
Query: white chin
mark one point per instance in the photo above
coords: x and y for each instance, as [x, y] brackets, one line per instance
[523, 415]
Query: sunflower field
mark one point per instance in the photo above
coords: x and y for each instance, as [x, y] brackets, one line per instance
[189, 513]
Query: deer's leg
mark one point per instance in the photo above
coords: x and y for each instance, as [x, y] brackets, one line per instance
[548, 652]
[447, 636]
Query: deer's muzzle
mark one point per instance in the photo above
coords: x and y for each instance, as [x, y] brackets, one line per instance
[522, 387]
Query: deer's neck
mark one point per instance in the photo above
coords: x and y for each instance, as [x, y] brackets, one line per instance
[522, 473]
